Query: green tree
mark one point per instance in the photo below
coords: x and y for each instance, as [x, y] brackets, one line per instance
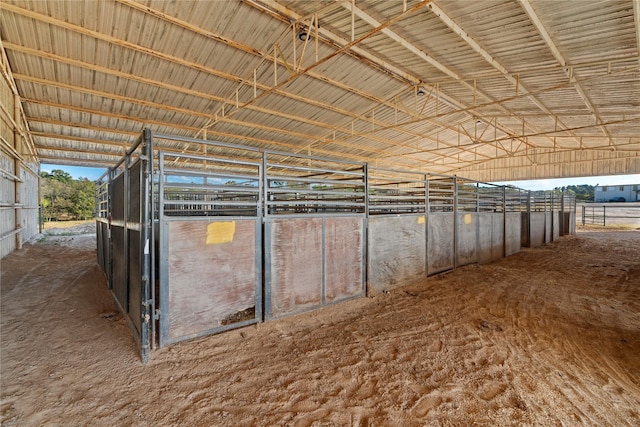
[584, 192]
[66, 198]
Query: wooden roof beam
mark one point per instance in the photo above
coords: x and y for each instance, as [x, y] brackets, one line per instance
[537, 23]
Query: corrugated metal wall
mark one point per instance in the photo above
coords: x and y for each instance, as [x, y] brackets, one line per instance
[18, 173]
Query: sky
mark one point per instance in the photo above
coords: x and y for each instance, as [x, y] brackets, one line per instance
[550, 184]
[539, 184]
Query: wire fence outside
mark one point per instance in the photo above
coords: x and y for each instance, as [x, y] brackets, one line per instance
[610, 214]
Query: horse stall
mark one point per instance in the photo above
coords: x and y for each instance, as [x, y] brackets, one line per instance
[123, 233]
[491, 207]
[555, 205]
[568, 210]
[315, 225]
[538, 219]
[441, 223]
[209, 247]
[198, 237]
[515, 203]
[102, 213]
[397, 229]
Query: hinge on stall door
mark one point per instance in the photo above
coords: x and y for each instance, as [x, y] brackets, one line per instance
[156, 315]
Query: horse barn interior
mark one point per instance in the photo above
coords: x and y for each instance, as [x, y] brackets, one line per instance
[305, 195]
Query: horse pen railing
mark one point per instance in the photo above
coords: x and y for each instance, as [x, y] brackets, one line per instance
[314, 232]
[198, 237]
[611, 214]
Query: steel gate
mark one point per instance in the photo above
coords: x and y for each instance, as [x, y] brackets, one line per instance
[315, 224]
[210, 245]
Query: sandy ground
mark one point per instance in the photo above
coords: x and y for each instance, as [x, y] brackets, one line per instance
[550, 336]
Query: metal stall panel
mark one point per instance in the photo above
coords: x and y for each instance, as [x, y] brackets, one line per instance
[440, 242]
[211, 278]
[343, 258]
[524, 230]
[566, 220]
[572, 222]
[548, 227]
[294, 264]
[102, 244]
[537, 232]
[555, 215]
[134, 248]
[512, 229]
[396, 252]
[491, 236]
[119, 271]
[466, 238]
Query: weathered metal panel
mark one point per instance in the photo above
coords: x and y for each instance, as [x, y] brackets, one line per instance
[119, 280]
[548, 227]
[135, 280]
[211, 275]
[572, 222]
[512, 233]
[491, 236]
[467, 239]
[440, 241]
[524, 230]
[556, 225]
[537, 230]
[344, 257]
[294, 266]
[135, 198]
[396, 251]
[117, 198]
[497, 236]
[7, 197]
[101, 248]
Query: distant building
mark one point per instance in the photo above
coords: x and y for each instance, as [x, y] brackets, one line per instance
[615, 193]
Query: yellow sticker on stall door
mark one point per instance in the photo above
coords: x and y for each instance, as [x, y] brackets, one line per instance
[467, 219]
[421, 219]
[220, 232]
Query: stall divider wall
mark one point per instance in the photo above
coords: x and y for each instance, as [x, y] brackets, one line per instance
[315, 232]
[441, 223]
[397, 229]
[209, 212]
[123, 236]
[218, 236]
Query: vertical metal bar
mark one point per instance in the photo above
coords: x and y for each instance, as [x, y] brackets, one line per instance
[265, 186]
[455, 222]
[426, 223]
[267, 270]
[152, 267]
[365, 232]
[504, 222]
[146, 172]
[562, 230]
[266, 242]
[529, 218]
[125, 232]
[260, 259]
[604, 215]
[583, 215]
[324, 260]
[163, 303]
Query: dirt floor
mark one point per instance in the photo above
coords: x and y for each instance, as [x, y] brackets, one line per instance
[550, 336]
